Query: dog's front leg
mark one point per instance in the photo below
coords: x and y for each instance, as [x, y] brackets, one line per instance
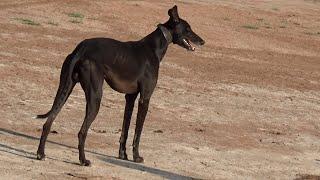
[130, 99]
[142, 112]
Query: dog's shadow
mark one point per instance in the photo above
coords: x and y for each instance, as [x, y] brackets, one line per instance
[103, 157]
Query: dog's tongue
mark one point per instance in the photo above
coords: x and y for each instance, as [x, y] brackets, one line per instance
[192, 47]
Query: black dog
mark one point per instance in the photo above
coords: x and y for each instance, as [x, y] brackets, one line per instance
[128, 67]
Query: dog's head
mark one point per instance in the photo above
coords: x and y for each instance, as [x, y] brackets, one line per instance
[182, 33]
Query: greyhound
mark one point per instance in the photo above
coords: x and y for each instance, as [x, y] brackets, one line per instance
[128, 67]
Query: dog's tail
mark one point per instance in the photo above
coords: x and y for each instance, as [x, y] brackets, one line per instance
[67, 82]
[42, 116]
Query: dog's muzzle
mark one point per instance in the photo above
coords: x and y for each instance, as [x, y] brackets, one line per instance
[188, 44]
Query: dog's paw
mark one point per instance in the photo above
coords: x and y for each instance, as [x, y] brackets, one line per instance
[138, 159]
[123, 156]
[85, 163]
[41, 156]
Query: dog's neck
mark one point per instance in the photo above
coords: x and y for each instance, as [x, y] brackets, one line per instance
[159, 41]
[166, 33]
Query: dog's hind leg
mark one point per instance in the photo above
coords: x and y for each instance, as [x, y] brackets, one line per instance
[91, 80]
[65, 88]
[52, 115]
[130, 99]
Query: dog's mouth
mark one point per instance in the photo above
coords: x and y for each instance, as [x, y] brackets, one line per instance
[188, 44]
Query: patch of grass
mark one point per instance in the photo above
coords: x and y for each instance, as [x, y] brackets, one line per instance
[314, 1]
[226, 19]
[249, 26]
[275, 9]
[260, 19]
[76, 21]
[180, 1]
[308, 33]
[76, 15]
[52, 23]
[93, 18]
[312, 33]
[27, 21]
[282, 26]
[114, 16]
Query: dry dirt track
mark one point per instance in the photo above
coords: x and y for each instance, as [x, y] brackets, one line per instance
[245, 106]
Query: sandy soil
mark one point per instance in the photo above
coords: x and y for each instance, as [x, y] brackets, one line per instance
[244, 106]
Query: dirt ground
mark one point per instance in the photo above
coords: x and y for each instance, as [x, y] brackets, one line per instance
[244, 106]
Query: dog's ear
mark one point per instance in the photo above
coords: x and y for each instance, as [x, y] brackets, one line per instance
[173, 13]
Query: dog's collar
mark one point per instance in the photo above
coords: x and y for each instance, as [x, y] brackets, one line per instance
[166, 33]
